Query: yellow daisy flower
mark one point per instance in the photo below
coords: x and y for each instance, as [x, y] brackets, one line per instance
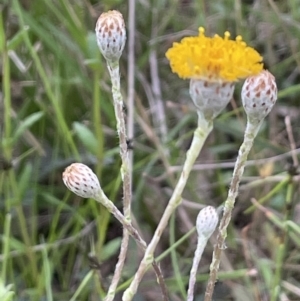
[214, 59]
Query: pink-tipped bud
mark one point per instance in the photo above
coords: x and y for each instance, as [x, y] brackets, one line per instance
[211, 98]
[111, 34]
[81, 180]
[207, 221]
[259, 95]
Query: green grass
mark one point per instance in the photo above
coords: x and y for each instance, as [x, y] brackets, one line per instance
[56, 108]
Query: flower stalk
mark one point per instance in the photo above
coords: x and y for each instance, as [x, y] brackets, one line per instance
[200, 135]
[250, 134]
[259, 94]
[207, 221]
[113, 68]
[111, 38]
[213, 65]
[102, 198]
[81, 180]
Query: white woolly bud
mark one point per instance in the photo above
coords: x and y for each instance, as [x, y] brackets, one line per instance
[111, 34]
[210, 97]
[207, 221]
[259, 94]
[81, 180]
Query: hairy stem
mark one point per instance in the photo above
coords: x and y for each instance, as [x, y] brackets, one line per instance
[102, 198]
[249, 136]
[113, 67]
[202, 241]
[200, 135]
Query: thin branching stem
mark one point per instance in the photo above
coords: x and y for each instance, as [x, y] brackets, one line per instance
[102, 198]
[113, 67]
[200, 135]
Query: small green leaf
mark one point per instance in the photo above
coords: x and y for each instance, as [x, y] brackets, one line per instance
[86, 136]
[110, 249]
[26, 124]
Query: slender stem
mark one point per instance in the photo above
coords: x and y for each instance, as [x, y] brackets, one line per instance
[200, 135]
[97, 117]
[174, 259]
[119, 266]
[130, 132]
[113, 67]
[14, 193]
[276, 283]
[102, 198]
[250, 133]
[5, 247]
[279, 187]
[6, 86]
[202, 241]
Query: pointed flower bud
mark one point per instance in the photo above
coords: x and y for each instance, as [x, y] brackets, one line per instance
[210, 98]
[81, 180]
[259, 94]
[207, 221]
[111, 34]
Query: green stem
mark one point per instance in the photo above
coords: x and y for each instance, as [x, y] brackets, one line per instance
[281, 252]
[175, 261]
[23, 224]
[274, 191]
[6, 91]
[5, 247]
[97, 119]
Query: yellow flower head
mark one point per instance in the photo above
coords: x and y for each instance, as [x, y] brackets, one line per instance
[214, 59]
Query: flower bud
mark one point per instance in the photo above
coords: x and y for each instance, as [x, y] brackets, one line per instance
[81, 180]
[111, 34]
[207, 221]
[259, 94]
[210, 98]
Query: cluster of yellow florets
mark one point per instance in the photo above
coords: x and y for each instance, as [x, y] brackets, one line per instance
[215, 59]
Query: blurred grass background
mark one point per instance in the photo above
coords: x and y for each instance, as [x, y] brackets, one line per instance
[56, 108]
